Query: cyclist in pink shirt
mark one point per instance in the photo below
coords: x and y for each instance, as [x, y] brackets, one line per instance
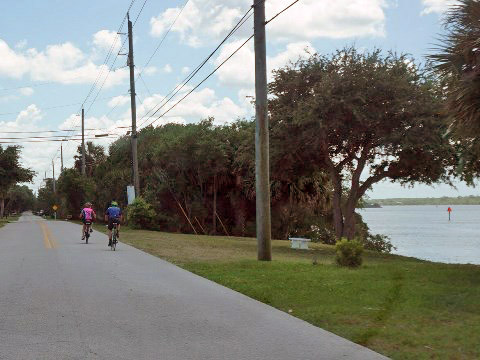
[87, 215]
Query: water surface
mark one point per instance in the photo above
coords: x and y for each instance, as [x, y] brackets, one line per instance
[424, 232]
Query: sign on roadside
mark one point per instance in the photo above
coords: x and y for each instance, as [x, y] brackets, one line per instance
[54, 207]
[130, 194]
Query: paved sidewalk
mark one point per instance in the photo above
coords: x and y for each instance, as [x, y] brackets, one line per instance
[63, 299]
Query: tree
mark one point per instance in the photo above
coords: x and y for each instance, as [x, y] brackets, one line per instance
[362, 118]
[456, 61]
[11, 172]
[94, 155]
[20, 198]
[76, 190]
[46, 198]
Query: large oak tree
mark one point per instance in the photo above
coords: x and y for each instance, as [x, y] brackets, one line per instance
[362, 118]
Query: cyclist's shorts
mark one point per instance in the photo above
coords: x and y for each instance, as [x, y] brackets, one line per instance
[112, 221]
[86, 222]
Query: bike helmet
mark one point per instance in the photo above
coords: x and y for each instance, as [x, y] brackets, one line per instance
[114, 203]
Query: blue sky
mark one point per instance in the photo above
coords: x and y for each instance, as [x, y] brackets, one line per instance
[55, 51]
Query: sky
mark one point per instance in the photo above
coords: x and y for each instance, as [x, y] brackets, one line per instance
[54, 56]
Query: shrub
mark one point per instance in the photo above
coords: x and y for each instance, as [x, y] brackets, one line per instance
[349, 253]
[140, 214]
[380, 243]
[322, 234]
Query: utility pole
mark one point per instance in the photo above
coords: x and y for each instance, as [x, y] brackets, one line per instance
[83, 142]
[61, 157]
[53, 176]
[262, 171]
[136, 179]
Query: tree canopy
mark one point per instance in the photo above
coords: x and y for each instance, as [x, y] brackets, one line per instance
[20, 198]
[456, 61]
[362, 118]
[11, 172]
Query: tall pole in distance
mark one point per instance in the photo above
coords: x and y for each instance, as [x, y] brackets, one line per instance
[136, 179]
[83, 142]
[54, 190]
[61, 157]
[262, 171]
[53, 176]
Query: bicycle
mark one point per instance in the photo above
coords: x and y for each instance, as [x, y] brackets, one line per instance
[88, 230]
[114, 236]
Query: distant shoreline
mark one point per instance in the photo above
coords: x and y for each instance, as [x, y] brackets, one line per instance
[445, 201]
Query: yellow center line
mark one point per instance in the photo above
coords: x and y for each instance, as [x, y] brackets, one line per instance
[53, 242]
[48, 239]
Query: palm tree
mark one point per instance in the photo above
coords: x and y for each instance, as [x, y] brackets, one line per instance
[458, 62]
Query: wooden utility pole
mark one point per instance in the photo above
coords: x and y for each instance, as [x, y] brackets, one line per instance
[61, 157]
[136, 179]
[214, 204]
[262, 171]
[53, 176]
[83, 142]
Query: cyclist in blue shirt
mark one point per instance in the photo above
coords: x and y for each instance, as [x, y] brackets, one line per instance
[113, 215]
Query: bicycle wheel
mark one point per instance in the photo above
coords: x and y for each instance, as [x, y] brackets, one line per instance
[87, 234]
[114, 239]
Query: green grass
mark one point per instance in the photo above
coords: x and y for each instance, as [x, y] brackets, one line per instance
[9, 219]
[401, 307]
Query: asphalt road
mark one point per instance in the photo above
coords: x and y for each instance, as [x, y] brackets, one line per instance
[63, 299]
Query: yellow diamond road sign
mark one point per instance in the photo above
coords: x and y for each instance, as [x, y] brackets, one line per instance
[54, 207]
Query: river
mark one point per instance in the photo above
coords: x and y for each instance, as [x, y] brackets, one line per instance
[425, 232]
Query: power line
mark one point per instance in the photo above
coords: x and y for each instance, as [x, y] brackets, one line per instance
[201, 82]
[56, 106]
[281, 12]
[138, 15]
[109, 54]
[38, 137]
[215, 70]
[144, 84]
[27, 86]
[107, 58]
[42, 132]
[192, 74]
[118, 53]
[163, 38]
[58, 140]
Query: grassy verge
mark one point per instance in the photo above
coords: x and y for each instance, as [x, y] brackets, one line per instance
[401, 307]
[9, 219]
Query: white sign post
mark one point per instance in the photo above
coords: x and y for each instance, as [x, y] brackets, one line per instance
[130, 194]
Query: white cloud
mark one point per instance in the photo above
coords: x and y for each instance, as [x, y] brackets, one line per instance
[38, 155]
[150, 70]
[12, 64]
[238, 71]
[167, 69]
[197, 106]
[105, 39]
[21, 44]
[31, 114]
[8, 98]
[62, 63]
[119, 100]
[200, 20]
[327, 19]
[314, 19]
[437, 6]
[185, 69]
[26, 91]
